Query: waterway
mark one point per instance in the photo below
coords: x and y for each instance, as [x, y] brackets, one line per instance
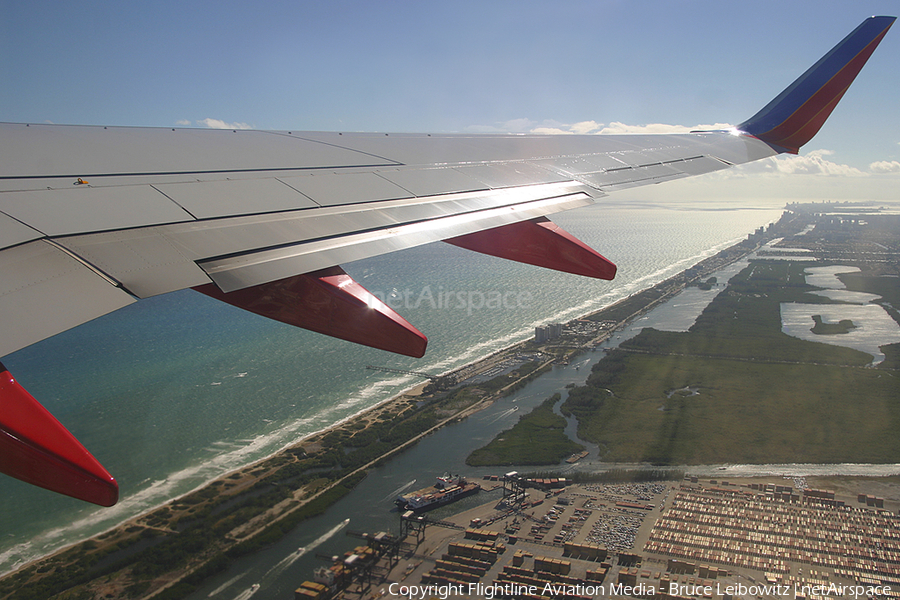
[872, 326]
[370, 506]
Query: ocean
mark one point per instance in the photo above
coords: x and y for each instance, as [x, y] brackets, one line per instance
[179, 389]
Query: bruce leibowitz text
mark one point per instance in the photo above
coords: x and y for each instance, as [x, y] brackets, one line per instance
[498, 590]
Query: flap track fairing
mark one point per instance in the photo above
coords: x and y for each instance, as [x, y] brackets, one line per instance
[329, 302]
[539, 242]
[37, 449]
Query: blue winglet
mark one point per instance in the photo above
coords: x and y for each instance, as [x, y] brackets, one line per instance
[797, 114]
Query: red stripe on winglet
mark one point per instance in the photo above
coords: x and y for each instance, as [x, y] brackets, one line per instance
[805, 122]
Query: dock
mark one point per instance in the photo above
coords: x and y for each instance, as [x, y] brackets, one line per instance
[700, 538]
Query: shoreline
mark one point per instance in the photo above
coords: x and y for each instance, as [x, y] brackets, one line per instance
[475, 366]
[628, 309]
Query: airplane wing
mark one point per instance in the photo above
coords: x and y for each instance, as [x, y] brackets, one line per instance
[95, 218]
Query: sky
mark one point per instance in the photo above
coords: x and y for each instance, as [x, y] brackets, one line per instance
[464, 66]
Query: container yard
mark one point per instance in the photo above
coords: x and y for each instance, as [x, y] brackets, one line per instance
[781, 533]
[754, 539]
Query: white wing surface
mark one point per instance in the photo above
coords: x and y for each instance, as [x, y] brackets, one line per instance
[129, 213]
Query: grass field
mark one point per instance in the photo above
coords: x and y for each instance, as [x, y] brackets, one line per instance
[743, 412]
[736, 389]
[537, 439]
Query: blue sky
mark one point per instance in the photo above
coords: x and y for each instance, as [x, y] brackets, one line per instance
[446, 67]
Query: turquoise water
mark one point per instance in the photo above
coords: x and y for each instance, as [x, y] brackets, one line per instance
[176, 390]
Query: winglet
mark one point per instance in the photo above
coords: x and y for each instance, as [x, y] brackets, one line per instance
[797, 114]
[36, 448]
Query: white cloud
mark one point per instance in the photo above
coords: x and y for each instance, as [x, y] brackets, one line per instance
[814, 163]
[885, 166]
[219, 124]
[546, 127]
[616, 128]
[183, 122]
[788, 165]
[583, 127]
[512, 126]
[550, 126]
[768, 188]
[517, 125]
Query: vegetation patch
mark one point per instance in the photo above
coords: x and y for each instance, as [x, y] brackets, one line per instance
[613, 475]
[823, 328]
[708, 284]
[537, 439]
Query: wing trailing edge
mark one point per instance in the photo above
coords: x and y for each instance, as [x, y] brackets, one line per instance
[796, 115]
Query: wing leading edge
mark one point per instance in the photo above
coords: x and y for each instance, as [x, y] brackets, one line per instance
[93, 218]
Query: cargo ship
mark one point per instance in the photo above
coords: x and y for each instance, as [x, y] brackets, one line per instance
[446, 489]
